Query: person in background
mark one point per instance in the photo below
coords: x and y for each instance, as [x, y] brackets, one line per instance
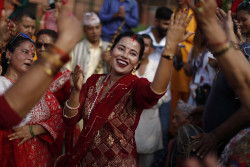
[60, 87]
[49, 15]
[25, 23]
[158, 31]
[180, 118]
[13, 107]
[27, 143]
[148, 135]
[158, 35]
[118, 13]
[89, 52]
[179, 80]
[235, 68]
[202, 66]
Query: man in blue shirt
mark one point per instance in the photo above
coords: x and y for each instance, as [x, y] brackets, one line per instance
[114, 12]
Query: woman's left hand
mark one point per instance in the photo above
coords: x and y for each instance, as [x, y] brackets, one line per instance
[21, 133]
[177, 30]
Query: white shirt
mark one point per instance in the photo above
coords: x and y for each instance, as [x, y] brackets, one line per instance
[148, 135]
[158, 47]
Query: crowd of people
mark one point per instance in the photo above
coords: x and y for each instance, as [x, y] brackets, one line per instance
[92, 92]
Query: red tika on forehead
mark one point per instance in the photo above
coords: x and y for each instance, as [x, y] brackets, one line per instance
[31, 50]
[133, 39]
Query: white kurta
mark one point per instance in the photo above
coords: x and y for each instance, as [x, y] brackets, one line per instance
[148, 135]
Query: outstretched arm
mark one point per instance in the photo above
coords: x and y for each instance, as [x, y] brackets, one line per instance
[37, 80]
[233, 65]
[175, 34]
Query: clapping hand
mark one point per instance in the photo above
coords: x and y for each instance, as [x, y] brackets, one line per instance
[76, 79]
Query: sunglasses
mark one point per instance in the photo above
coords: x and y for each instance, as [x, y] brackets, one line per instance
[22, 35]
[45, 45]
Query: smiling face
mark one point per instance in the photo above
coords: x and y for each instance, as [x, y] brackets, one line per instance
[125, 56]
[244, 20]
[22, 58]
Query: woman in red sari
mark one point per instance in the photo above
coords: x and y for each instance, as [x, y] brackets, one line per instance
[26, 145]
[111, 104]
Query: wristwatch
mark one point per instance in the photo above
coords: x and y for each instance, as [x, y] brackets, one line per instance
[169, 57]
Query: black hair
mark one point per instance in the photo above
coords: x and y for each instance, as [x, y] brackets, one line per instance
[11, 46]
[23, 13]
[148, 37]
[163, 13]
[130, 34]
[244, 6]
[48, 32]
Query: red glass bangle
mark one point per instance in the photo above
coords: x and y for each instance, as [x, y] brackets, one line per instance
[219, 43]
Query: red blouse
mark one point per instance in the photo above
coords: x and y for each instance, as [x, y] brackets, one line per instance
[114, 143]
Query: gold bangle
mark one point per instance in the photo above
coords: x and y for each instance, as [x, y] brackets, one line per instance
[169, 57]
[48, 71]
[158, 93]
[235, 45]
[223, 50]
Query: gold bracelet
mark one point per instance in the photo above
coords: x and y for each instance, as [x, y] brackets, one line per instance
[48, 71]
[158, 93]
[235, 45]
[223, 50]
[169, 57]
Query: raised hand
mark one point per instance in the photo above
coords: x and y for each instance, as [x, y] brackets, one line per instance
[69, 28]
[76, 79]
[205, 11]
[7, 30]
[177, 30]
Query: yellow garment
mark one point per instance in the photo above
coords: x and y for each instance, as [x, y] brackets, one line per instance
[180, 81]
[34, 39]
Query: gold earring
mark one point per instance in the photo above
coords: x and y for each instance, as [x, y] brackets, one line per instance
[134, 70]
[8, 61]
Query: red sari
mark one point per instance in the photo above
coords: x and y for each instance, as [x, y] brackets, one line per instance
[108, 135]
[60, 87]
[8, 117]
[34, 152]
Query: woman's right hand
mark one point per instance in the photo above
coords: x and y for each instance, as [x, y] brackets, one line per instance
[7, 30]
[69, 28]
[76, 79]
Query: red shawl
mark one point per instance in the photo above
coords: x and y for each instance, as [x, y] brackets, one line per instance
[142, 95]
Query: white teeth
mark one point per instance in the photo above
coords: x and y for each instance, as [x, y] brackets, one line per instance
[122, 62]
